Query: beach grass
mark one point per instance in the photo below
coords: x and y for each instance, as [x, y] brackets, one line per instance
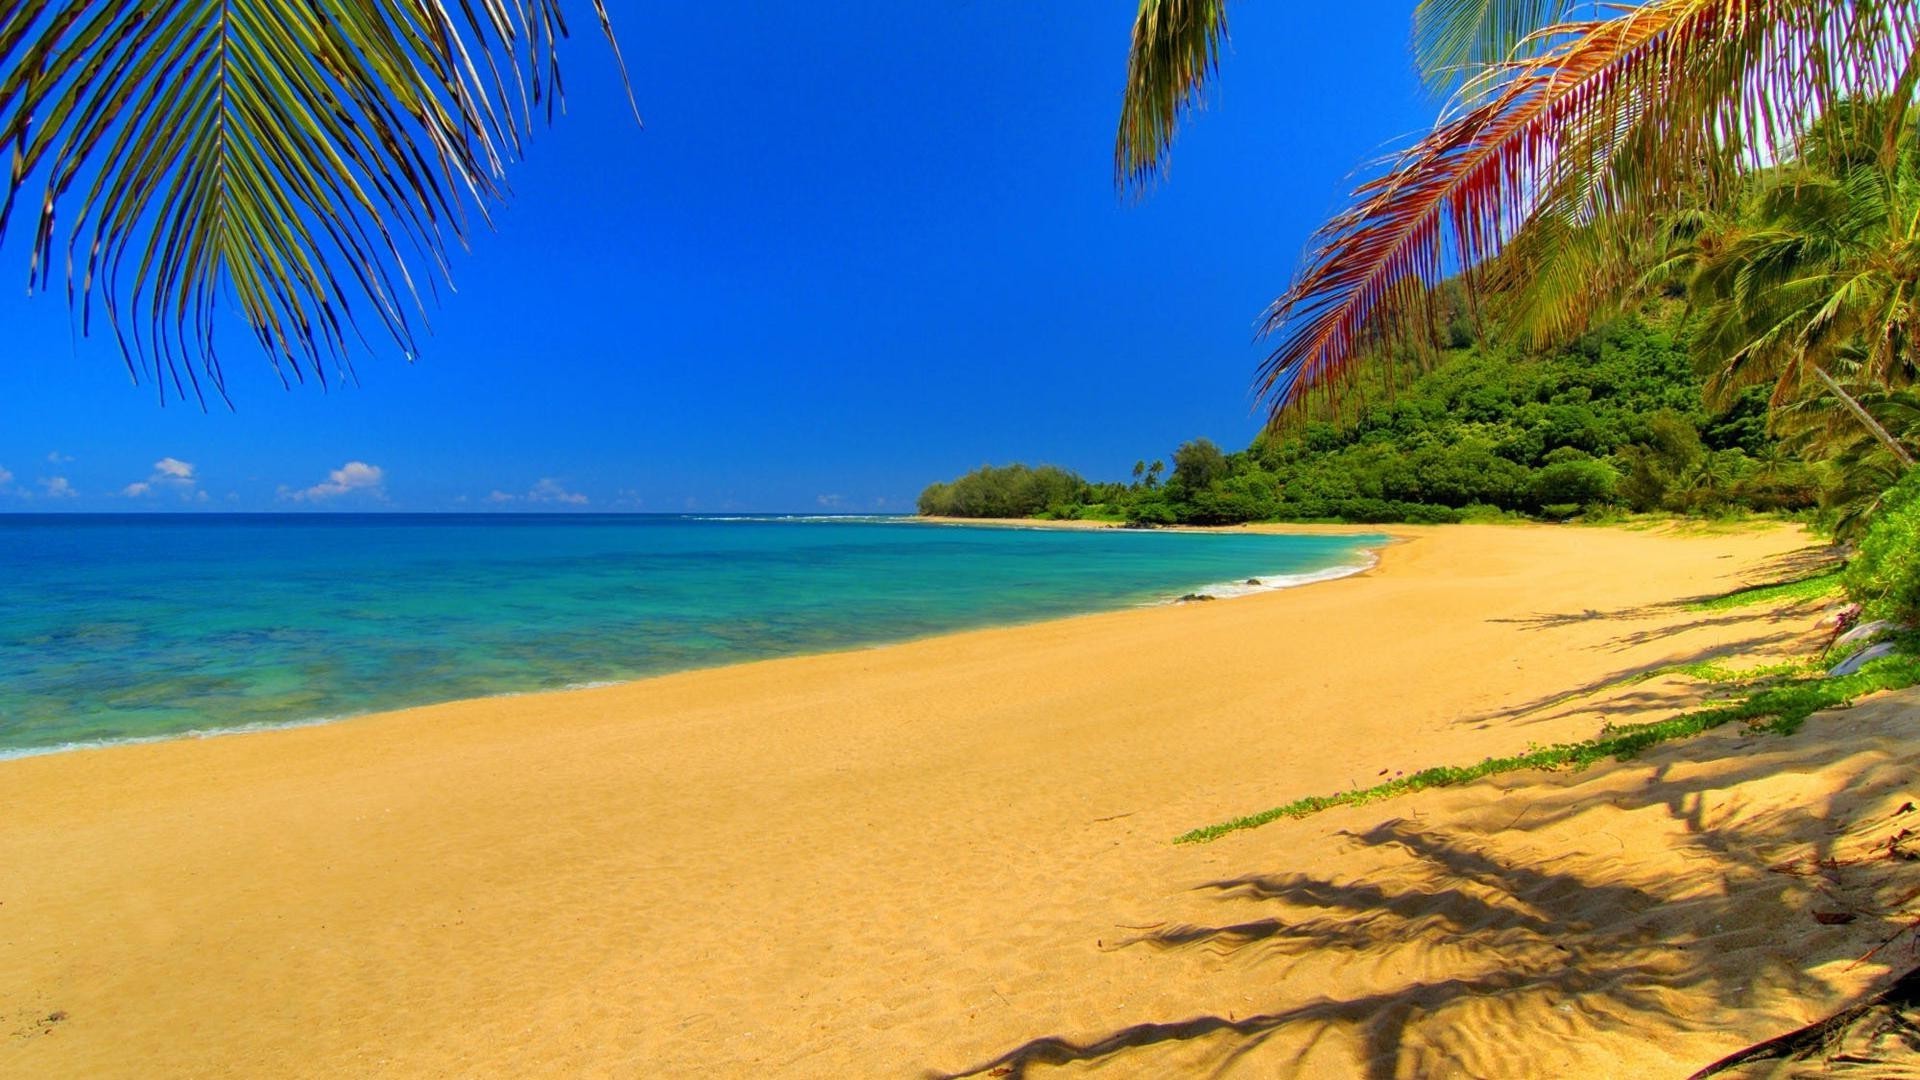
[1776, 707]
[1710, 671]
[1810, 587]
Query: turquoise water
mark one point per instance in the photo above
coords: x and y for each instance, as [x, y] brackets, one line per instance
[127, 627]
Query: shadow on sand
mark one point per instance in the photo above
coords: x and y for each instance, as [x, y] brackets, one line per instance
[1782, 569]
[1490, 923]
[1787, 626]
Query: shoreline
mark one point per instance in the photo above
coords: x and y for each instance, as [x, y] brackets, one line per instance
[922, 857]
[1395, 530]
[1228, 591]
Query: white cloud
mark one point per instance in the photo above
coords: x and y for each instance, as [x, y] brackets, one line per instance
[5, 477]
[831, 501]
[549, 490]
[168, 472]
[351, 477]
[58, 488]
[501, 497]
[55, 457]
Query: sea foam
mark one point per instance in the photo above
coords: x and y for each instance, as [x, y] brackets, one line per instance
[1228, 590]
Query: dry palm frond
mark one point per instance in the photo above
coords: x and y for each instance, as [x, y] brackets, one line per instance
[306, 161]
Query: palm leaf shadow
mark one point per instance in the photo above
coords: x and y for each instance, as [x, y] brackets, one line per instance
[1551, 934]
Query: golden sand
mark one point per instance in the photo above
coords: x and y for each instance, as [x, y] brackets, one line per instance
[952, 856]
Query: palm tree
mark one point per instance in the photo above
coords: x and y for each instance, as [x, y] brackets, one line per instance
[1816, 282]
[1566, 119]
[304, 161]
[1860, 468]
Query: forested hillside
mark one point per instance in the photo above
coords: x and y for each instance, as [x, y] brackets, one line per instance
[1612, 422]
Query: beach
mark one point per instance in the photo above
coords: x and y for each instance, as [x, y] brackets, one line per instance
[953, 856]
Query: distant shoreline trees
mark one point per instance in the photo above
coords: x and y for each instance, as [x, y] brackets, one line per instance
[1012, 491]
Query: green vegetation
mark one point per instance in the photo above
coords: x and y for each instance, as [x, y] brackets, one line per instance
[1795, 254]
[1611, 422]
[305, 168]
[1012, 492]
[1763, 364]
[1885, 576]
[1776, 707]
[1711, 671]
[1807, 588]
[1648, 107]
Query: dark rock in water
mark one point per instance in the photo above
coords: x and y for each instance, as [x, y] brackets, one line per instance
[1192, 596]
[1255, 581]
[1862, 658]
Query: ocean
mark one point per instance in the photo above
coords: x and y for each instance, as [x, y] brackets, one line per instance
[127, 627]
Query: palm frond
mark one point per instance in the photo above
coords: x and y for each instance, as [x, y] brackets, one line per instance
[305, 161]
[1176, 49]
[1452, 37]
[1598, 122]
[1556, 275]
[1570, 263]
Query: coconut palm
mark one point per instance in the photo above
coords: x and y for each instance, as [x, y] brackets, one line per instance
[1566, 119]
[1855, 467]
[303, 163]
[1815, 281]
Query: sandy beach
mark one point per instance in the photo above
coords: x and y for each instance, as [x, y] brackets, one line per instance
[953, 857]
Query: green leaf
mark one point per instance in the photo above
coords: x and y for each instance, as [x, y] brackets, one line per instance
[302, 164]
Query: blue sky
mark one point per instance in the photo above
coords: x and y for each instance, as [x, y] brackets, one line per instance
[847, 255]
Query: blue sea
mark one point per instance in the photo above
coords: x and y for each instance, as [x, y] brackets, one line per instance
[137, 627]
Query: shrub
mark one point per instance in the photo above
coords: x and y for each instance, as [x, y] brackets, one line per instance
[1660, 469]
[1009, 491]
[1151, 508]
[1248, 497]
[1885, 576]
[1370, 511]
[1465, 473]
[1576, 482]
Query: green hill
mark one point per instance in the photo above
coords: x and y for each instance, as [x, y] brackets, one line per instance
[1612, 422]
